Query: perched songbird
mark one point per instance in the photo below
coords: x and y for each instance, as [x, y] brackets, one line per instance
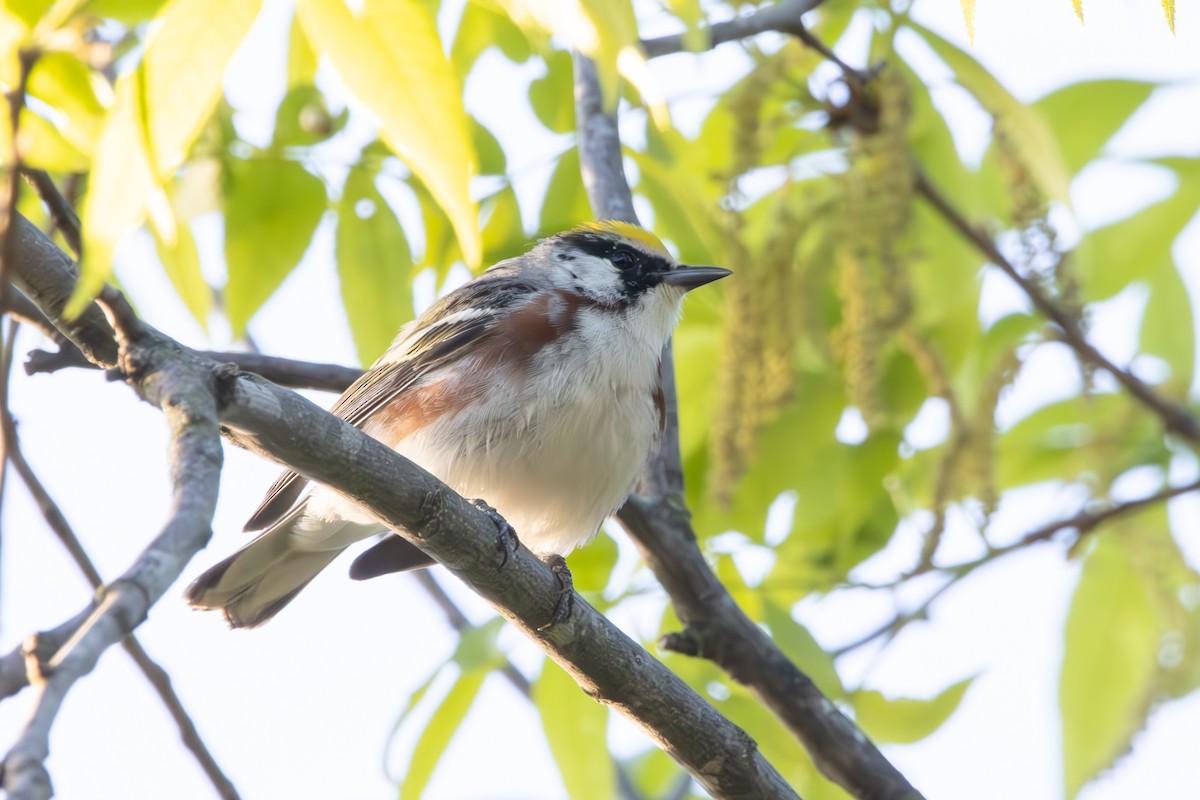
[534, 387]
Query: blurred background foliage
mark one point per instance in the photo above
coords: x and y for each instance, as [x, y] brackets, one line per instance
[842, 397]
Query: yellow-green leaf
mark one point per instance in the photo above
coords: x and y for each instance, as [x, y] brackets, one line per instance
[1168, 328]
[604, 31]
[1028, 132]
[905, 720]
[374, 265]
[1109, 662]
[438, 733]
[1078, 6]
[181, 262]
[1085, 115]
[59, 79]
[576, 729]
[390, 57]
[301, 60]
[160, 109]
[1169, 10]
[968, 12]
[44, 146]
[566, 202]
[271, 210]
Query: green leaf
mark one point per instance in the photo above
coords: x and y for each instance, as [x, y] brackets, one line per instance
[303, 119]
[440, 730]
[374, 265]
[477, 649]
[551, 94]
[130, 12]
[301, 60]
[390, 57]
[576, 729]
[804, 651]
[1168, 328]
[1027, 131]
[61, 80]
[604, 31]
[271, 210]
[491, 154]
[481, 27]
[566, 203]
[1084, 116]
[503, 235]
[905, 720]
[160, 109]
[1113, 256]
[1109, 662]
[592, 566]
[181, 262]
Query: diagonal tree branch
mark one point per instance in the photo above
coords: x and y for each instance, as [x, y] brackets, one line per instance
[1175, 417]
[255, 413]
[659, 522]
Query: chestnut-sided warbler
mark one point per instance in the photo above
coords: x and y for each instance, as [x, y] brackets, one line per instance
[534, 387]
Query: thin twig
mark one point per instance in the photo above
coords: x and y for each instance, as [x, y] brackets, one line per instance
[61, 212]
[458, 620]
[283, 371]
[783, 17]
[1175, 417]
[1082, 523]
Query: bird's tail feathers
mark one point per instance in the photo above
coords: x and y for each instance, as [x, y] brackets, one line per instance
[253, 584]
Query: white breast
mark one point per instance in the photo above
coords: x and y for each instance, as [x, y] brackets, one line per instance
[560, 451]
[555, 450]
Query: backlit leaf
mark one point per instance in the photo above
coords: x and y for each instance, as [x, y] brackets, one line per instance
[374, 265]
[160, 109]
[271, 210]
[576, 729]
[438, 733]
[566, 202]
[1169, 10]
[390, 57]
[1084, 116]
[181, 262]
[1109, 661]
[1078, 6]
[968, 12]
[904, 720]
[1168, 328]
[1027, 131]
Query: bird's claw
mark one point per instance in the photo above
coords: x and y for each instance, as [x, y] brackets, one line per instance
[566, 592]
[506, 537]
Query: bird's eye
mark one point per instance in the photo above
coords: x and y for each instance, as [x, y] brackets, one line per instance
[622, 259]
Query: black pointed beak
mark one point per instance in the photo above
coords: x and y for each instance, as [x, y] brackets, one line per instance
[689, 278]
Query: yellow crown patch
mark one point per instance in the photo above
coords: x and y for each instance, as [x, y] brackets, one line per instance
[624, 230]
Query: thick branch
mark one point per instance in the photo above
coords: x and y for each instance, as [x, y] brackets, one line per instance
[1175, 417]
[660, 524]
[604, 661]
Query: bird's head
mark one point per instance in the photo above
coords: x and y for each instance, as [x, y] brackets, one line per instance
[617, 263]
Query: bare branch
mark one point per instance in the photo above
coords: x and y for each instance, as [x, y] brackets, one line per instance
[1082, 523]
[783, 17]
[1175, 417]
[658, 520]
[65, 219]
[283, 371]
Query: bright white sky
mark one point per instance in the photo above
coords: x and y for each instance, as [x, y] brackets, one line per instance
[302, 707]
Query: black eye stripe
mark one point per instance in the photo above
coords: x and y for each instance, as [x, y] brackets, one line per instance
[639, 270]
